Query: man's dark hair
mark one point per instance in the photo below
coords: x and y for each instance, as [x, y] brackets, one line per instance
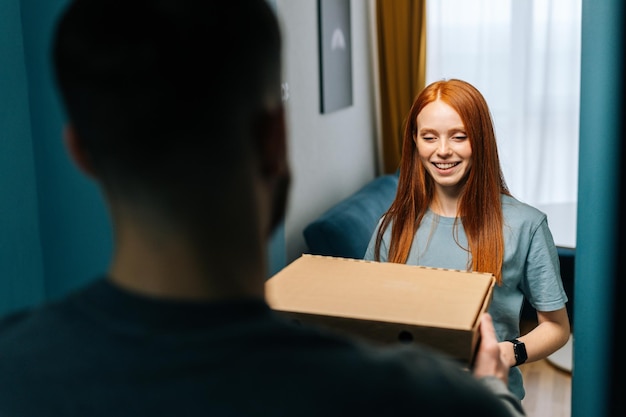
[169, 89]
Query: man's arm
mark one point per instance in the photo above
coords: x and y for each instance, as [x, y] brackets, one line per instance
[490, 369]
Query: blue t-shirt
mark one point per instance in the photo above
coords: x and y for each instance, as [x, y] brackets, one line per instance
[531, 267]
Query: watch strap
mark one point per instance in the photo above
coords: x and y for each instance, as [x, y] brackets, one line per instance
[519, 349]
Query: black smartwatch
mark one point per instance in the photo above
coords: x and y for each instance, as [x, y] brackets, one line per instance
[519, 348]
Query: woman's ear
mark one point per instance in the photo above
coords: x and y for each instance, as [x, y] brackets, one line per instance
[77, 152]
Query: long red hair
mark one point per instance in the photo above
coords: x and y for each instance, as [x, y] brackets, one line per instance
[480, 209]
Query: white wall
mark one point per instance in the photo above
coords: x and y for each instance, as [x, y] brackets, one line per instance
[331, 155]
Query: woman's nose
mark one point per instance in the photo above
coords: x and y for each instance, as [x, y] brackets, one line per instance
[444, 148]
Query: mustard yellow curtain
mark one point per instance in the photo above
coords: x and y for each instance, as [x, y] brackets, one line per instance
[401, 34]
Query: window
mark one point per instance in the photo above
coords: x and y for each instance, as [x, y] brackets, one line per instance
[524, 56]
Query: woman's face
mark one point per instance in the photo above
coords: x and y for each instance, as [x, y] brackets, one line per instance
[443, 146]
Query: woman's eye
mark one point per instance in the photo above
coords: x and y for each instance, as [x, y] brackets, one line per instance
[428, 138]
[460, 137]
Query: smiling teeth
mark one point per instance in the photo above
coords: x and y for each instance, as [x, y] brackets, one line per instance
[446, 166]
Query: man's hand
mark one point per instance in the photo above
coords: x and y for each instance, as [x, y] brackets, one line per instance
[488, 361]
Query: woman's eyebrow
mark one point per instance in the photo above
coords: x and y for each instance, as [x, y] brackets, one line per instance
[426, 130]
[457, 129]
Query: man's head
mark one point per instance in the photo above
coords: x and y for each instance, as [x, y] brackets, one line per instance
[170, 100]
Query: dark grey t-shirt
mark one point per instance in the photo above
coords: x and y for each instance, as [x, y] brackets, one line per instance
[107, 352]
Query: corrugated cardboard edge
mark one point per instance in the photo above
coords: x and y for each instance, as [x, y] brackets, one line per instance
[483, 309]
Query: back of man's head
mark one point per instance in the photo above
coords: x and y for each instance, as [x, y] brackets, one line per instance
[161, 92]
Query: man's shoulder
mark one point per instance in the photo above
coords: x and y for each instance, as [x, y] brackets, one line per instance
[37, 327]
[30, 326]
[12, 324]
[25, 317]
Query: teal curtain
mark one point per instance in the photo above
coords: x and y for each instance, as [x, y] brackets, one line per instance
[55, 232]
[601, 139]
[21, 259]
[74, 225]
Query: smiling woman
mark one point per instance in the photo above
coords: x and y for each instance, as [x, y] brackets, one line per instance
[453, 210]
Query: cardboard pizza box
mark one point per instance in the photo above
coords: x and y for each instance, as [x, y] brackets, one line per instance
[385, 302]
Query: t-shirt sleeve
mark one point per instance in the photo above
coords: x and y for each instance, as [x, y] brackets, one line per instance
[510, 401]
[544, 287]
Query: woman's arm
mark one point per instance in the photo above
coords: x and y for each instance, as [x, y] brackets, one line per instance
[550, 334]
